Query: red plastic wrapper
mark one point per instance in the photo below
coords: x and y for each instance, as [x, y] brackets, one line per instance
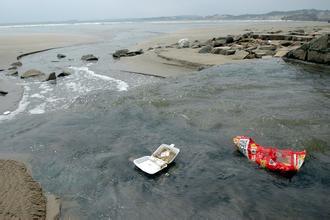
[270, 157]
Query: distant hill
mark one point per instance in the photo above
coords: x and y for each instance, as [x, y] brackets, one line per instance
[298, 15]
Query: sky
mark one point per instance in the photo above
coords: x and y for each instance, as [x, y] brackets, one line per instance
[15, 11]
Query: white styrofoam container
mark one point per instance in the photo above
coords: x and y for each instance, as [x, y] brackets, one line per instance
[154, 163]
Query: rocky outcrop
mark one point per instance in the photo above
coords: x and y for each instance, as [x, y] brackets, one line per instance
[206, 49]
[316, 51]
[32, 73]
[89, 57]
[126, 53]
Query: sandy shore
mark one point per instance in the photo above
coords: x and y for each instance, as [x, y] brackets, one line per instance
[168, 62]
[13, 45]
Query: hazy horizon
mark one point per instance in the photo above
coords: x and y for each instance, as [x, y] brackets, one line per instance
[16, 11]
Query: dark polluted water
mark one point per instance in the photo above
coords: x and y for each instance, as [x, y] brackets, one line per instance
[84, 153]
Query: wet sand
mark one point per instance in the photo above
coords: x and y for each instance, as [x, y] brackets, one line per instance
[21, 197]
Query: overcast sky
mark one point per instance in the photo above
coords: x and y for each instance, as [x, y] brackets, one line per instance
[60, 10]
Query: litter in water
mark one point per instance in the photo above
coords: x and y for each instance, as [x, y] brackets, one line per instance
[160, 159]
[269, 157]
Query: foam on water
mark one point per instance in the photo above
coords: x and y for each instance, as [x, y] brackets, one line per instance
[41, 97]
[23, 104]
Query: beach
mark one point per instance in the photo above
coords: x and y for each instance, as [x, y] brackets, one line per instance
[166, 94]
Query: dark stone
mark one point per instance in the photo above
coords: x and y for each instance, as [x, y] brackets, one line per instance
[206, 49]
[219, 43]
[229, 40]
[64, 73]
[126, 53]
[61, 56]
[3, 93]
[51, 76]
[89, 57]
[286, 43]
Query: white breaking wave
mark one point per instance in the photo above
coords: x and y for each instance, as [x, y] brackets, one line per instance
[23, 104]
[41, 97]
[121, 85]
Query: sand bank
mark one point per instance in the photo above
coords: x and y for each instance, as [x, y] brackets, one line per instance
[13, 45]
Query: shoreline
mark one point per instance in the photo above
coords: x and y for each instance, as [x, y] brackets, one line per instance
[160, 62]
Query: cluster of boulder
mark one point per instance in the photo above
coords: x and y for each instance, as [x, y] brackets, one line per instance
[126, 53]
[295, 44]
[248, 46]
[13, 70]
[317, 51]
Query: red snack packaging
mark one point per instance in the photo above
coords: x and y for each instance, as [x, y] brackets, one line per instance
[269, 157]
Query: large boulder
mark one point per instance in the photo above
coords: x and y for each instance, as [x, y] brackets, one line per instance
[223, 50]
[32, 73]
[317, 51]
[89, 57]
[241, 54]
[183, 43]
[206, 49]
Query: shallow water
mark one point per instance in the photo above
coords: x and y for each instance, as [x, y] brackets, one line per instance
[84, 152]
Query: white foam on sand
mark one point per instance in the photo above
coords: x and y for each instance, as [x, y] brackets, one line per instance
[40, 109]
[121, 85]
[21, 106]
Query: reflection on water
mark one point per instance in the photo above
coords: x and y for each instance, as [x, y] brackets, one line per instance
[85, 154]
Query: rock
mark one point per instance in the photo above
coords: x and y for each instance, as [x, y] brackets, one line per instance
[241, 54]
[134, 53]
[120, 53]
[237, 38]
[196, 44]
[13, 72]
[281, 52]
[267, 57]
[250, 56]
[223, 50]
[183, 43]
[16, 64]
[1, 70]
[219, 42]
[206, 49]
[229, 40]
[61, 56]
[32, 73]
[285, 43]
[89, 57]
[64, 73]
[150, 48]
[316, 51]
[3, 93]
[267, 47]
[126, 53]
[259, 54]
[12, 68]
[51, 76]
